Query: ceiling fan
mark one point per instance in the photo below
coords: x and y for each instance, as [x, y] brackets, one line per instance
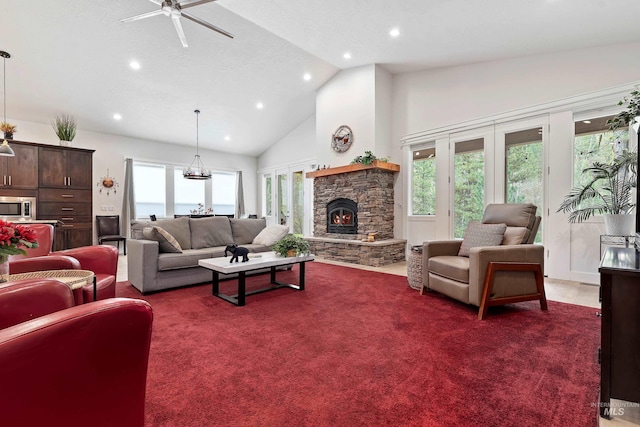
[174, 9]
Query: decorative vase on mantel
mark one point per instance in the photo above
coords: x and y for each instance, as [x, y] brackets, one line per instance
[619, 224]
[65, 143]
[8, 135]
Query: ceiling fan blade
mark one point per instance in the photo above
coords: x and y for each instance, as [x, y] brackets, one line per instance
[158, 2]
[190, 3]
[178, 26]
[142, 16]
[206, 24]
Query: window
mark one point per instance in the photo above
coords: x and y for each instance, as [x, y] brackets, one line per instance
[595, 142]
[468, 197]
[297, 199]
[423, 181]
[161, 190]
[223, 193]
[188, 193]
[267, 196]
[149, 187]
[524, 170]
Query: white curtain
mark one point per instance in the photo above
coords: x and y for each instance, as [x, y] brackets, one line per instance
[128, 202]
[239, 196]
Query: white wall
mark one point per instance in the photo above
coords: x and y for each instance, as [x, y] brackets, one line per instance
[296, 146]
[431, 99]
[111, 150]
[349, 98]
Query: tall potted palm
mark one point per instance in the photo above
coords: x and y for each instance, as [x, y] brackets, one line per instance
[608, 192]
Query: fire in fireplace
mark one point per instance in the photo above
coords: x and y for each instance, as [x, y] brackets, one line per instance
[342, 216]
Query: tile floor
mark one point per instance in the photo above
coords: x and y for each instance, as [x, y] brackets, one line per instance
[556, 290]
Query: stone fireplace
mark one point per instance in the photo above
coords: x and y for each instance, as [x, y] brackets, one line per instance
[351, 202]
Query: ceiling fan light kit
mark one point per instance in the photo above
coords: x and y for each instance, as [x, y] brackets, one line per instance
[196, 169]
[174, 10]
[5, 149]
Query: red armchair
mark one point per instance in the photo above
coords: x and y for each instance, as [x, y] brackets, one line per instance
[27, 299]
[101, 259]
[80, 366]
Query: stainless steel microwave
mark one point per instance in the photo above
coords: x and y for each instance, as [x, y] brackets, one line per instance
[17, 208]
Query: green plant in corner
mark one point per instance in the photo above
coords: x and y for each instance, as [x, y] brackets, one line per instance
[291, 242]
[609, 191]
[65, 127]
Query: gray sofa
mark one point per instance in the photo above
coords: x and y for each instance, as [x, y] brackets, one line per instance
[151, 269]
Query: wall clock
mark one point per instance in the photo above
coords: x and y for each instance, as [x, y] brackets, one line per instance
[342, 139]
[108, 183]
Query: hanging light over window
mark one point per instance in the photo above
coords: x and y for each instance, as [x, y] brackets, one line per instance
[196, 170]
[5, 149]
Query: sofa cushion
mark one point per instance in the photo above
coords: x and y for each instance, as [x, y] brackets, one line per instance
[188, 258]
[209, 232]
[245, 230]
[178, 228]
[481, 235]
[166, 241]
[452, 267]
[271, 234]
[515, 236]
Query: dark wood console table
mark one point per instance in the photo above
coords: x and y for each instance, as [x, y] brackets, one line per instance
[620, 351]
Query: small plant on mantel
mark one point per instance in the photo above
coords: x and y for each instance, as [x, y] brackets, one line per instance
[368, 158]
[291, 245]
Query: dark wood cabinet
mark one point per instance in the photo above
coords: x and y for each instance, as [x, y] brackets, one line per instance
[620, 346]
[65, 193]
[65, 168]
[21, 170]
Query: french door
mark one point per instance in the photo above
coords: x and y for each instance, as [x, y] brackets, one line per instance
[291, 191]
[520, 165]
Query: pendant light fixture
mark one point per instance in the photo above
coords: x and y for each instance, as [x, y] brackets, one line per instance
[196, 170]
[5, 149]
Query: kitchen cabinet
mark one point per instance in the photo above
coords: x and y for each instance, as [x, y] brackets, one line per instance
[21, 170]
[61, 167]
[65, 194]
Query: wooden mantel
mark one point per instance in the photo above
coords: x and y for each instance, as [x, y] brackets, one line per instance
[377, 164]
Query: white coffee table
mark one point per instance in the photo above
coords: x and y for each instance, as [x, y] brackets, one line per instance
[256, 262]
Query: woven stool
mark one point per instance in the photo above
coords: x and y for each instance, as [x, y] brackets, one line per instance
[414, 267]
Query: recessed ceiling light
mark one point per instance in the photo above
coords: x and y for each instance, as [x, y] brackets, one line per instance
[227, 138]
[586, 121]
[394, 32]
[346, 55]
[259, 105]
[307, 77]
[135, 65]
[117, 116]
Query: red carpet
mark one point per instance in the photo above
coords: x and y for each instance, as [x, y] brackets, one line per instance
[358, 348]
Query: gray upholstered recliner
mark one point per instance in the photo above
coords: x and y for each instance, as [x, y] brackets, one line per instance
[507, 273]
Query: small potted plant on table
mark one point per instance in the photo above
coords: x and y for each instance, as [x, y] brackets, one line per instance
[291, 245]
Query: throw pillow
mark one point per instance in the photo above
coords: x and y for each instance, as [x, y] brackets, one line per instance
[481, 235]
[271, 234]
[515, 235]
[167, 242]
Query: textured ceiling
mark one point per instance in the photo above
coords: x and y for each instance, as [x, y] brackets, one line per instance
[72, 56]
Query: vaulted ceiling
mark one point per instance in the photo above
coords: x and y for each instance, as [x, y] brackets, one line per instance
[73, 56]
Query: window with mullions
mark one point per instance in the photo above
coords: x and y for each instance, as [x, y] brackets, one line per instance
[223, 193]
[188, 193]
[594, 142]
[468, 190]
[423, 182]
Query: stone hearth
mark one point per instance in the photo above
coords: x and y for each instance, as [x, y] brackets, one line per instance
[371, 187]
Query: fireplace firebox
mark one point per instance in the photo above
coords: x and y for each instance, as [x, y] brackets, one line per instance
[342, 216]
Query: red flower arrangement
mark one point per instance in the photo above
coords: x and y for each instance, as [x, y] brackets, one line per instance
[14, 239]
